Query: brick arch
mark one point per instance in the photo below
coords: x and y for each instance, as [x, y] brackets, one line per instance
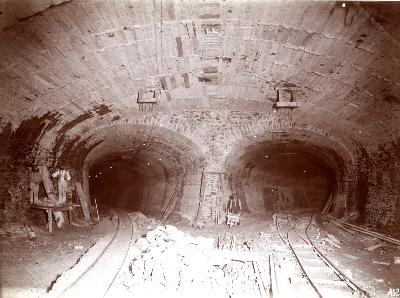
[336, 155]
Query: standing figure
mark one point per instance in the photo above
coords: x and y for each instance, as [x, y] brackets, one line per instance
[34, 183]
[234, 209]
[63, 176]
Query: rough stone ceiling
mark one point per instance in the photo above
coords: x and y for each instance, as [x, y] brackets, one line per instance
[81, 56]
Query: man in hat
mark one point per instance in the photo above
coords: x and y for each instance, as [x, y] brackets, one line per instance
[63, 178]
[234, 209]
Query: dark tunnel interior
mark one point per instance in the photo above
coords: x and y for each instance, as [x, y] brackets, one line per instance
[285, 177]
[295, 180]
[119, 182]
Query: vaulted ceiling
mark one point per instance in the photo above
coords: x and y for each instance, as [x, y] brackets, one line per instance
[94, 60]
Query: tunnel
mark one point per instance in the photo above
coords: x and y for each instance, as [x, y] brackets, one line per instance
[234, 127]
[141, 168]
[121, 182]
[275, 172]
[285, 176]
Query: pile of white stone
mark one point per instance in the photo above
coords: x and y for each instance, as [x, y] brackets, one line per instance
[170, 261]
[141, 221]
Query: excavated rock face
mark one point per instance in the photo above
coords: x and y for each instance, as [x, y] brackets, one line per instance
[173, 101]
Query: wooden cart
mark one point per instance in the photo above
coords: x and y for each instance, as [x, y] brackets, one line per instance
[232, 219]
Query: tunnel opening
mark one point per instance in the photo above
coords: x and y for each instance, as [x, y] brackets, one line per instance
[285, 176]
[294, 180]
[119, 182]
[142, 168]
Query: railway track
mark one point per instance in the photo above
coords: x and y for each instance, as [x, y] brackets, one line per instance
[320, 277]
[98, 278]
[312, 276]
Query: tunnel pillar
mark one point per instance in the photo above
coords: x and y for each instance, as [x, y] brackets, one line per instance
[189, 203]
[213, 195]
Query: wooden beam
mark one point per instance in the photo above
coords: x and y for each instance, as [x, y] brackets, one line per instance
[83, 200]
[287, 104]
[48, 184]
[365, 231]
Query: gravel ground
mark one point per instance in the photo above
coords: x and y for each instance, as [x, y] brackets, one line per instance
[28, 268]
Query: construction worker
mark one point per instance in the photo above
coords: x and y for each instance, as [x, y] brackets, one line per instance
[34, 184]
[234, 209]
[63, 176]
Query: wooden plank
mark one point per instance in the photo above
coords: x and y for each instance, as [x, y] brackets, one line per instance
[367, 232]
[287, 104]
[171, 204]
[48, 184]
[338, 224]
[83, 200]
[328, 204]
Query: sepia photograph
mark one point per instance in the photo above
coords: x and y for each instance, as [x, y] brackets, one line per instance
[199, 148]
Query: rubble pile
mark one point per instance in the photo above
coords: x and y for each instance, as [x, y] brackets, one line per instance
[171, 263]
[141, 221]
[14, 230]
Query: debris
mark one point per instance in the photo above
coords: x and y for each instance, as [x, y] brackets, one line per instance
[31, 233]
[167, 254]
[333, 238]
[381, 263]
[373, 247]
[348, 273]
[77, 247]
[332, 243]
[14, 230]
[172, 263]
[141, 221]
[198, 225]
[351, 257]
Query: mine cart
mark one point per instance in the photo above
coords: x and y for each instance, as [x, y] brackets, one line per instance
[232, 219]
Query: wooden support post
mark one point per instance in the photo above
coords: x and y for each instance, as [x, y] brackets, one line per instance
[171, 204]
[70, 216]
[50, 220]
[48, 184]
[83, 200]
[328, 204]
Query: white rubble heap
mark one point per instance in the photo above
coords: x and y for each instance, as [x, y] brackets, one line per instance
[141, 221]
[170, 263]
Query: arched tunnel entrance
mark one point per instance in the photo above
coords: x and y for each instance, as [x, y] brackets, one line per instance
[141, 168]
[285, 175]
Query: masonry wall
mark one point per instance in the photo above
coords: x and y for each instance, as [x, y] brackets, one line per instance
[383, 178]
[375, 188]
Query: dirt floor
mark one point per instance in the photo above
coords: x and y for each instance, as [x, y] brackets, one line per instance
[29, 267]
